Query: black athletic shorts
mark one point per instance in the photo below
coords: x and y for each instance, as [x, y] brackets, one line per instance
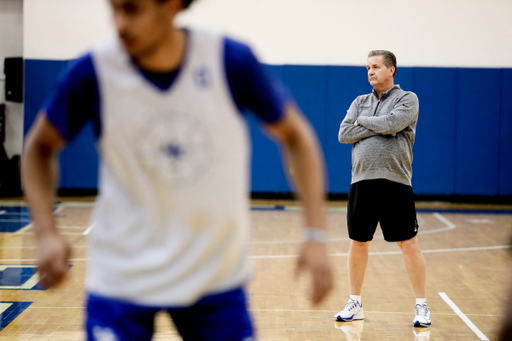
[381, 201]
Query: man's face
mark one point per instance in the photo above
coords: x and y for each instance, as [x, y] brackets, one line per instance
[378, 73]
[142, 24]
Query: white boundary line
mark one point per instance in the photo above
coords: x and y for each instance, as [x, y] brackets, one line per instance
[308, 311]
[462, 316]
[22, 230]
[478, 248]
[462, 249]
[86, 232]
[449, 226]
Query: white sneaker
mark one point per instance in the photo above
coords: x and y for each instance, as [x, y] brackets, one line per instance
[422, 334]
[352, 330]
[353, 311]
[422, 318]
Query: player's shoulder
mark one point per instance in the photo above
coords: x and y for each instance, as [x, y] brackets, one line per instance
[79, 69]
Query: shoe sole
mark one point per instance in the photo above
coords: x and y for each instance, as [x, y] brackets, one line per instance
[419, 324]
[349, 319]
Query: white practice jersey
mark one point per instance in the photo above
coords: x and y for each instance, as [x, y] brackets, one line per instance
[171, 222]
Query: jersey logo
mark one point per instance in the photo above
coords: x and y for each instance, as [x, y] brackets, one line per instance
[202, 77]
[177, 147]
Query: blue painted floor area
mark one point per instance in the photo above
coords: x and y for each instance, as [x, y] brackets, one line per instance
[10, 310]
[14, 218]
[18, 277]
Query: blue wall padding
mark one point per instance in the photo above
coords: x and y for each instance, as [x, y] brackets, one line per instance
[79, 161]
[505, 170]
[344, 84]
[478, 129]
[308, 85]
[266, 160]
[463, 143]
[434, 150]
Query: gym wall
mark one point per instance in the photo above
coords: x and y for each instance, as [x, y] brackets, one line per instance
[454, 54]
[11, 45]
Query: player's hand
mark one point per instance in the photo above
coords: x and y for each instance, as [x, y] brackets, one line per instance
[313, 258]
[355, 123]
[53, 255]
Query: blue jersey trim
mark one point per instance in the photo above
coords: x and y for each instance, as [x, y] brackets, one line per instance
[252, 86]
[76, 100]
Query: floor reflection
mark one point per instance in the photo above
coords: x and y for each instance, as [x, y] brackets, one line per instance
[421, 334]
[354, 329]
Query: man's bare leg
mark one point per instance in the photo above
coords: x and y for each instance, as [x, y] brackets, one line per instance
[357, 262]
[415, 265]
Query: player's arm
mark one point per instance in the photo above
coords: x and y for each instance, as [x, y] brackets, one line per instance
[404, 112]
[74, 102]
[39, 172]
[302, 153]
[350, 132]
[253, 88]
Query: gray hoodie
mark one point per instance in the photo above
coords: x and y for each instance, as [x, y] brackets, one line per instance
[384, 136]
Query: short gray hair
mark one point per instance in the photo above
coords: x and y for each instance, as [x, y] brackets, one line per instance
[388, 58]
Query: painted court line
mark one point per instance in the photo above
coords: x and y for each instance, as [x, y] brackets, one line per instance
[309, 311]
[478, 248]
[462, 316]
[86, 232]
[449, 226]
[23, 230]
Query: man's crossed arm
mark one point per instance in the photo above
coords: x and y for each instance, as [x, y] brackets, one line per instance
[355, 128]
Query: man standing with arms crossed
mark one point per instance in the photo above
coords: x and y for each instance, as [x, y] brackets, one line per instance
[171, 222]
[382, 127]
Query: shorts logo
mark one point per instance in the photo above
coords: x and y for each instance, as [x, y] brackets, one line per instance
[104, 334]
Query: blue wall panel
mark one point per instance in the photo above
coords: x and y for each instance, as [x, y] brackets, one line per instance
[505, 176]
[477, 137]
[464, 133]
[79, 161]
[434, 149]
[266, 162]
[308, 85]
[344, 84]
[405, 78]
[40, 80]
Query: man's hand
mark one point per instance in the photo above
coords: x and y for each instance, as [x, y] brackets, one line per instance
[355, 123]
[54, 254]
[313, 258]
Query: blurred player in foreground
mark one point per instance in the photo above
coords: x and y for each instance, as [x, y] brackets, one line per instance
[382, 127]
[171, 221]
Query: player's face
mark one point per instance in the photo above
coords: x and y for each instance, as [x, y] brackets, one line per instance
[143, 24]
[378, 73]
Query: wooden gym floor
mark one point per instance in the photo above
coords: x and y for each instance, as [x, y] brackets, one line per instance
[466, 248]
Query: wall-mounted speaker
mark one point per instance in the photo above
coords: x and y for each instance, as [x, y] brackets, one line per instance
[13, 70]
[2, 123]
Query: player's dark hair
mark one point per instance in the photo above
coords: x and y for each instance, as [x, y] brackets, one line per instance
[388, 58]
[186, 3]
